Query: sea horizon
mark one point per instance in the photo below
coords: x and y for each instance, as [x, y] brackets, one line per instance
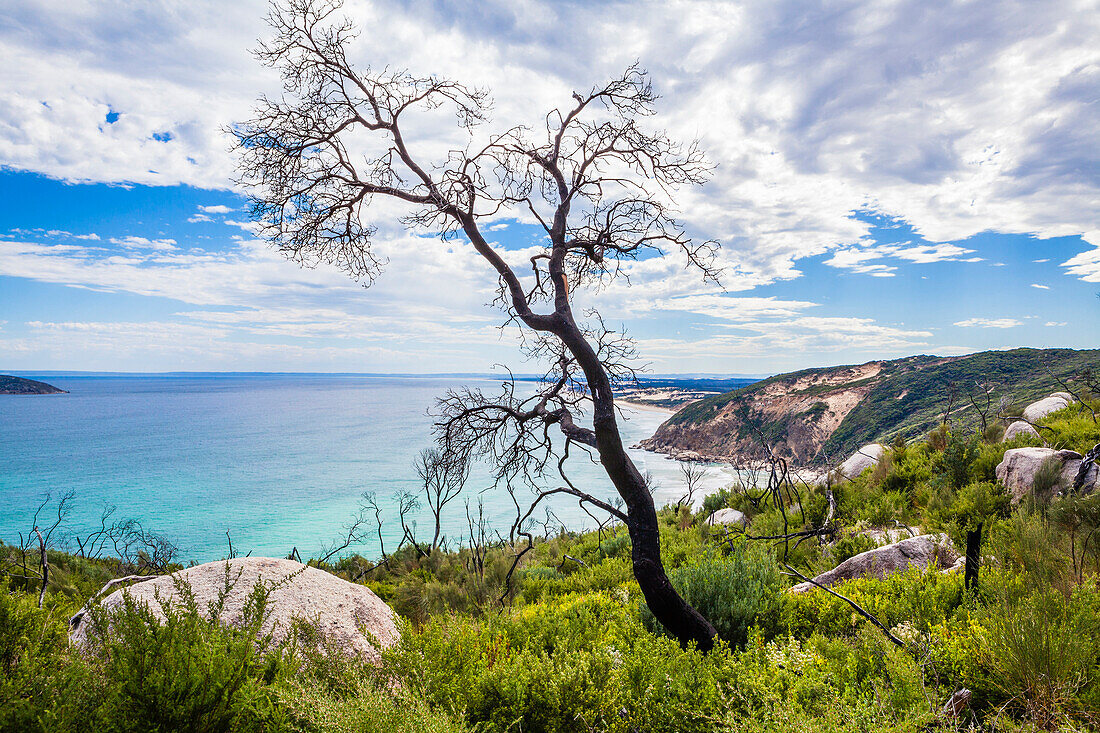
[280, 460]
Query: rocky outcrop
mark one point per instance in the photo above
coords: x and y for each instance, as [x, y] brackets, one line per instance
[866, 457]
[1019, 466]
[1017, 429]
[920, 552]
[809, 405]
[727, 516]
[1039, 409]
[343, 611]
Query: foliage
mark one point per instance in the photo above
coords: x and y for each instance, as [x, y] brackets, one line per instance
[1044, 649]
[1072, 428]
[568, 644]
[1047, 478]
[734, 592]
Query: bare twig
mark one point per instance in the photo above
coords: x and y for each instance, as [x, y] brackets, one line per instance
[111, 585]
[855, 606]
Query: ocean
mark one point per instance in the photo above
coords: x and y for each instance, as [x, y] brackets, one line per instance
[278, 461]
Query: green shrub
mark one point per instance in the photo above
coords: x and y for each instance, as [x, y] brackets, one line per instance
[607, 575]
[713, 502]
[956, 459]
[185, 671]
[1073, 428]
[1047, 479]
[308, 705]
[1027, 543]
[1043, 650]
[32, 641]
[973, 505]
[850, 546]
[734, 593]
[921, 599]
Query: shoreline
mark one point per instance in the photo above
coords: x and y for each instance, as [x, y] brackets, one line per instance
[649, 407]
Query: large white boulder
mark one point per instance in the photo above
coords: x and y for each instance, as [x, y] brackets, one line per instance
[343, 611]
[1041, 408]
[1019, 428]
[920, 552]
[727, 516]
[864, 458]
[1018, 468]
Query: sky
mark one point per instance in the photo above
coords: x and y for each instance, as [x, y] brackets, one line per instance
[891, 178]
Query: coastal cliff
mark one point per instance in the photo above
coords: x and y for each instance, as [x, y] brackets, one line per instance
[20, 386]
[814, 414]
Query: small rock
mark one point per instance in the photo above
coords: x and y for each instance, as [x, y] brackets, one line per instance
[919, 552]
[957, 703]
[340, 608]
[1019, 428]
[958, 565]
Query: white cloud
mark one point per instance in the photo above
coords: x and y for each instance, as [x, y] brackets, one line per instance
[738, 309]
[957, 121]
[217, 209]
[1055, 324]
[860, 259]
[158, 245]
[1041, 287]
[1086, 265]
[785, 344]
[989, 323]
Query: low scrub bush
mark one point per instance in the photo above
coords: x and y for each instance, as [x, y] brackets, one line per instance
[734, 592]
[1043, 650]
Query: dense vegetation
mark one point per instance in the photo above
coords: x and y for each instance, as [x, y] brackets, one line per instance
[909, 396]
[571, 647]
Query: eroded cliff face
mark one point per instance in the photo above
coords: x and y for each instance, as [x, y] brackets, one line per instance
[797, 414]
[823, 415]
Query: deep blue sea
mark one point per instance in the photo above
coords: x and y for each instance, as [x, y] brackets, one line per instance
[277, 460]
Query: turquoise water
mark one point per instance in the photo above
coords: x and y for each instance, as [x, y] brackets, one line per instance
[278, 460]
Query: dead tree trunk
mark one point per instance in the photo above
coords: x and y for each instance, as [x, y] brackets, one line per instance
[973, 557]
[45, 567]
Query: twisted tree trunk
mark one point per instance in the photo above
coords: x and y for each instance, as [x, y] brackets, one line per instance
[675, 614]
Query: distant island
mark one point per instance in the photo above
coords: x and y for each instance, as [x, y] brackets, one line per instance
[18, 385]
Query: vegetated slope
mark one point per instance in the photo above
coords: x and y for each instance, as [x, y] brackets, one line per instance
[18, 385]
[814, 414]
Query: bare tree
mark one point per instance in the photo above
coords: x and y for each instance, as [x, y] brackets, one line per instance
[595, 180]
[692, 473]
[443, 476]
[980, 395]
